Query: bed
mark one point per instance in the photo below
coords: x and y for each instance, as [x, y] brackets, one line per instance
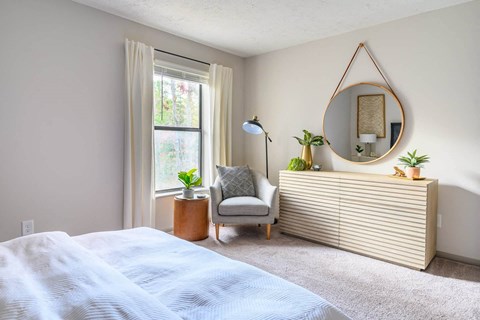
[141, 273]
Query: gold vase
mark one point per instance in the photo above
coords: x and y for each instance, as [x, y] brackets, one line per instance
[307, 156]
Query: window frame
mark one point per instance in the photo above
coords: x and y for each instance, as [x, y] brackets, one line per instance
[199, 130]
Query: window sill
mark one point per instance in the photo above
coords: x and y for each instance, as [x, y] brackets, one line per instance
[165, 194]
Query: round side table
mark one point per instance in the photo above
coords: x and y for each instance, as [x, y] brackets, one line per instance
[190, 218]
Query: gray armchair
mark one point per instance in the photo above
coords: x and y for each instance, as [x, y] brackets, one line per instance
[261, 209]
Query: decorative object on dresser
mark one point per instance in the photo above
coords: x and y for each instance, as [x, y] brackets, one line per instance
[297, 164]
[189, 179]
[398, 172]
[390, 219]
[307, 142]
[413, 163]
[254, 127]
[363, 108]
[255, 205]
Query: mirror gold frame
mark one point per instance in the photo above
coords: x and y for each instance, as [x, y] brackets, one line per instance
[395, 99]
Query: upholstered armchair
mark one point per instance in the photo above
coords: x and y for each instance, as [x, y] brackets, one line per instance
[259, 209]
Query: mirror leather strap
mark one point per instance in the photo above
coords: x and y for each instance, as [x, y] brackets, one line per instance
[360, 46]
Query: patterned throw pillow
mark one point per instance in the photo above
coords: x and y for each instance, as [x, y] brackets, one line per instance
[236, 181]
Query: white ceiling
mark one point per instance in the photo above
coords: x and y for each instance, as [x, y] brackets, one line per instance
[251, 27]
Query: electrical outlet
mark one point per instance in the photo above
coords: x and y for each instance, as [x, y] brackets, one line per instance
[439, 221]
[27, 227]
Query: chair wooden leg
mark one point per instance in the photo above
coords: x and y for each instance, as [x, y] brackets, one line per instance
[268, 231]
[217, 230]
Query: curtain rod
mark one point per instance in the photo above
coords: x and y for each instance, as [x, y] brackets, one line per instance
[183, 57]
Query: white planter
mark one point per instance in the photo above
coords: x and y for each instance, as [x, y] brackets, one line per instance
[188, 193]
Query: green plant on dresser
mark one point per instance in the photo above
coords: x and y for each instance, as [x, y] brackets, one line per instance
[309, 140]
[413, 163]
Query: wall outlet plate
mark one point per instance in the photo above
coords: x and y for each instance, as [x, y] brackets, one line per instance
[27, 227]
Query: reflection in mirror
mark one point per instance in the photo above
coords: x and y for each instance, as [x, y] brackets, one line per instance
[365, 117]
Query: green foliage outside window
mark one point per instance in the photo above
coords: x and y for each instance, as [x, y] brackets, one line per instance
[177, 104]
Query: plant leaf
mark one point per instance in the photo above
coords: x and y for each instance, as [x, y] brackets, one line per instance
[196, 181]
[317, 141]
[307, 137]
[413, 160]
[301, 141]
[189, 179]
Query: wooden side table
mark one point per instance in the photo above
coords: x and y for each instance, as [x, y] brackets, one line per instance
[190, 218]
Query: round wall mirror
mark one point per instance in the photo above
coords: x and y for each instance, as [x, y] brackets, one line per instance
[363, 122]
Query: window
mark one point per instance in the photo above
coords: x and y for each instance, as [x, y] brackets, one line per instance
[178, 125]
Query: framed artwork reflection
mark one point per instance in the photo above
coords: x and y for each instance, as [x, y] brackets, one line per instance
[371, 114]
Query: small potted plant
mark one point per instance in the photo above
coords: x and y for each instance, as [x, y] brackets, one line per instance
[189, 180]
[413, 163]
[309, 140]
[359, 150]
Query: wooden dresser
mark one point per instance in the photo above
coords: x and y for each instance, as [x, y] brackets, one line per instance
[384, 217]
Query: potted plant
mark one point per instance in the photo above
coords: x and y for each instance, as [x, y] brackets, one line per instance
[413, 163]
[309, 140]
[359, 150]
[189, 180]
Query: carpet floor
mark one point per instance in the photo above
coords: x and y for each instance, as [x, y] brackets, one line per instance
[362, 287]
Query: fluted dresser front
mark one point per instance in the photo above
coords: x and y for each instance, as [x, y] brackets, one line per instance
[376, 215]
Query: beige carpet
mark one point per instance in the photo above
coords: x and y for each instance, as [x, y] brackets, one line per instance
[362, 287]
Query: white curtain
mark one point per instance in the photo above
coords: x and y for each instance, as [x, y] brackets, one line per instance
[139, 189]
[220, 124]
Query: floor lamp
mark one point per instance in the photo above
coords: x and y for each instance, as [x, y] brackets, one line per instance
[254, 127]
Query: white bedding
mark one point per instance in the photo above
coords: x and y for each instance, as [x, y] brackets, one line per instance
[197, 283]
[141, 274]
[49, 276]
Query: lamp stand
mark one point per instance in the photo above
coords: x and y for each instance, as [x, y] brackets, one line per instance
[254, 127]
[266, 154]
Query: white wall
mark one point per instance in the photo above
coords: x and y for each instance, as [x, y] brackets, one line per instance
[340, 132]
[62, 113]
[432, 62]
